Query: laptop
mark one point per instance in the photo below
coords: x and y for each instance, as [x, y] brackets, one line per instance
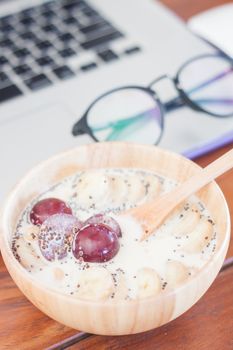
[57, 56]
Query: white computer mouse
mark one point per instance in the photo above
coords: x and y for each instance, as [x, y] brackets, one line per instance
[215, 26]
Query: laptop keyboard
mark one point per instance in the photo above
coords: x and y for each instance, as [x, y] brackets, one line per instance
[42, 45]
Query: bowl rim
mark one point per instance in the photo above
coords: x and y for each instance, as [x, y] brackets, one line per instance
[4, 244]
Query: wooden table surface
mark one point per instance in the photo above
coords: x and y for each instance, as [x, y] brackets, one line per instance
[207, 325]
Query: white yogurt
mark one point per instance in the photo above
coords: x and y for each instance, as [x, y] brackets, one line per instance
[168, 258]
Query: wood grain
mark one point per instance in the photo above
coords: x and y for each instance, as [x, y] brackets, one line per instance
[187, 332]
[208, 325]
[188, 8]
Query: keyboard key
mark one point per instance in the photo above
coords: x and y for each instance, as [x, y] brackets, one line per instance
[44, 45]
[3, 77]
[28, 36]
[9, 92]
[50, 28]
[107, 55]
[66, 37]
[71, 20]
[38, 82]
[48, 14]
[22, 69]
[45, 61]
[3, 60]
[92, 43]
[6, 28]
[132, 50]
[73, 4]
[95, 27]
[88, 66]
[68, 52]
[21, 53]
[6, 43]
[63, 72]
[27, 21]
[89, 12]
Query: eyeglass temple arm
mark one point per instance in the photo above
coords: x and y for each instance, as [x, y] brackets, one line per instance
[212, 80]
[178, 102]
[80, 127]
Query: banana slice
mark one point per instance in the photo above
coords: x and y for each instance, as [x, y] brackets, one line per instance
[118, 190]
[30, 233]
[121, 289]
[95, 283]
[28, 254]
[136, 189]
[176, 273]
[148, 282]
[188, 222]
[199, 237]
[153, 186]
[58, 274]
[92, 189]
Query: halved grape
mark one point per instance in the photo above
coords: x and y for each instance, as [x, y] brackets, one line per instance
[56, 235]
[47, 207]
[106, 220]
[95, 243]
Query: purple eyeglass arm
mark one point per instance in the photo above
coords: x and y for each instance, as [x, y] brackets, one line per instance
[177, 102]
[210, 146]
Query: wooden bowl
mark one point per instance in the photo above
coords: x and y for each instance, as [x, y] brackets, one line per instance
[112, 317]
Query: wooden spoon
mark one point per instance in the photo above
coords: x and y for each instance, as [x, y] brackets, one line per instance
[153, 213]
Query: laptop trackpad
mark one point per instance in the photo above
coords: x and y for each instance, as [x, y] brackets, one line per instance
[33, 138]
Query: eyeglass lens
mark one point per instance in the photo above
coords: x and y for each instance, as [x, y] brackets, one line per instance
[208, 82]
[129, 114]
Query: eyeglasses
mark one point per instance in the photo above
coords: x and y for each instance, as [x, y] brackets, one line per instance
[135, 113]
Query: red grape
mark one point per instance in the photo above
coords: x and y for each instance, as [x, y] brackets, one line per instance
[106, 220]
[56, 235]
[47, 207]
[95, 243]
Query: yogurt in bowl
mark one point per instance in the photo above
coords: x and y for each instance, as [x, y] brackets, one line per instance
[103, 257]
[74, 253]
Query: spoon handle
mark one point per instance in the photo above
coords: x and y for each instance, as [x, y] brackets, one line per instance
[202, 178]
[154, 213]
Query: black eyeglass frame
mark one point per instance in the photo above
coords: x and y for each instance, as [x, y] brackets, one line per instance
[81, 126]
